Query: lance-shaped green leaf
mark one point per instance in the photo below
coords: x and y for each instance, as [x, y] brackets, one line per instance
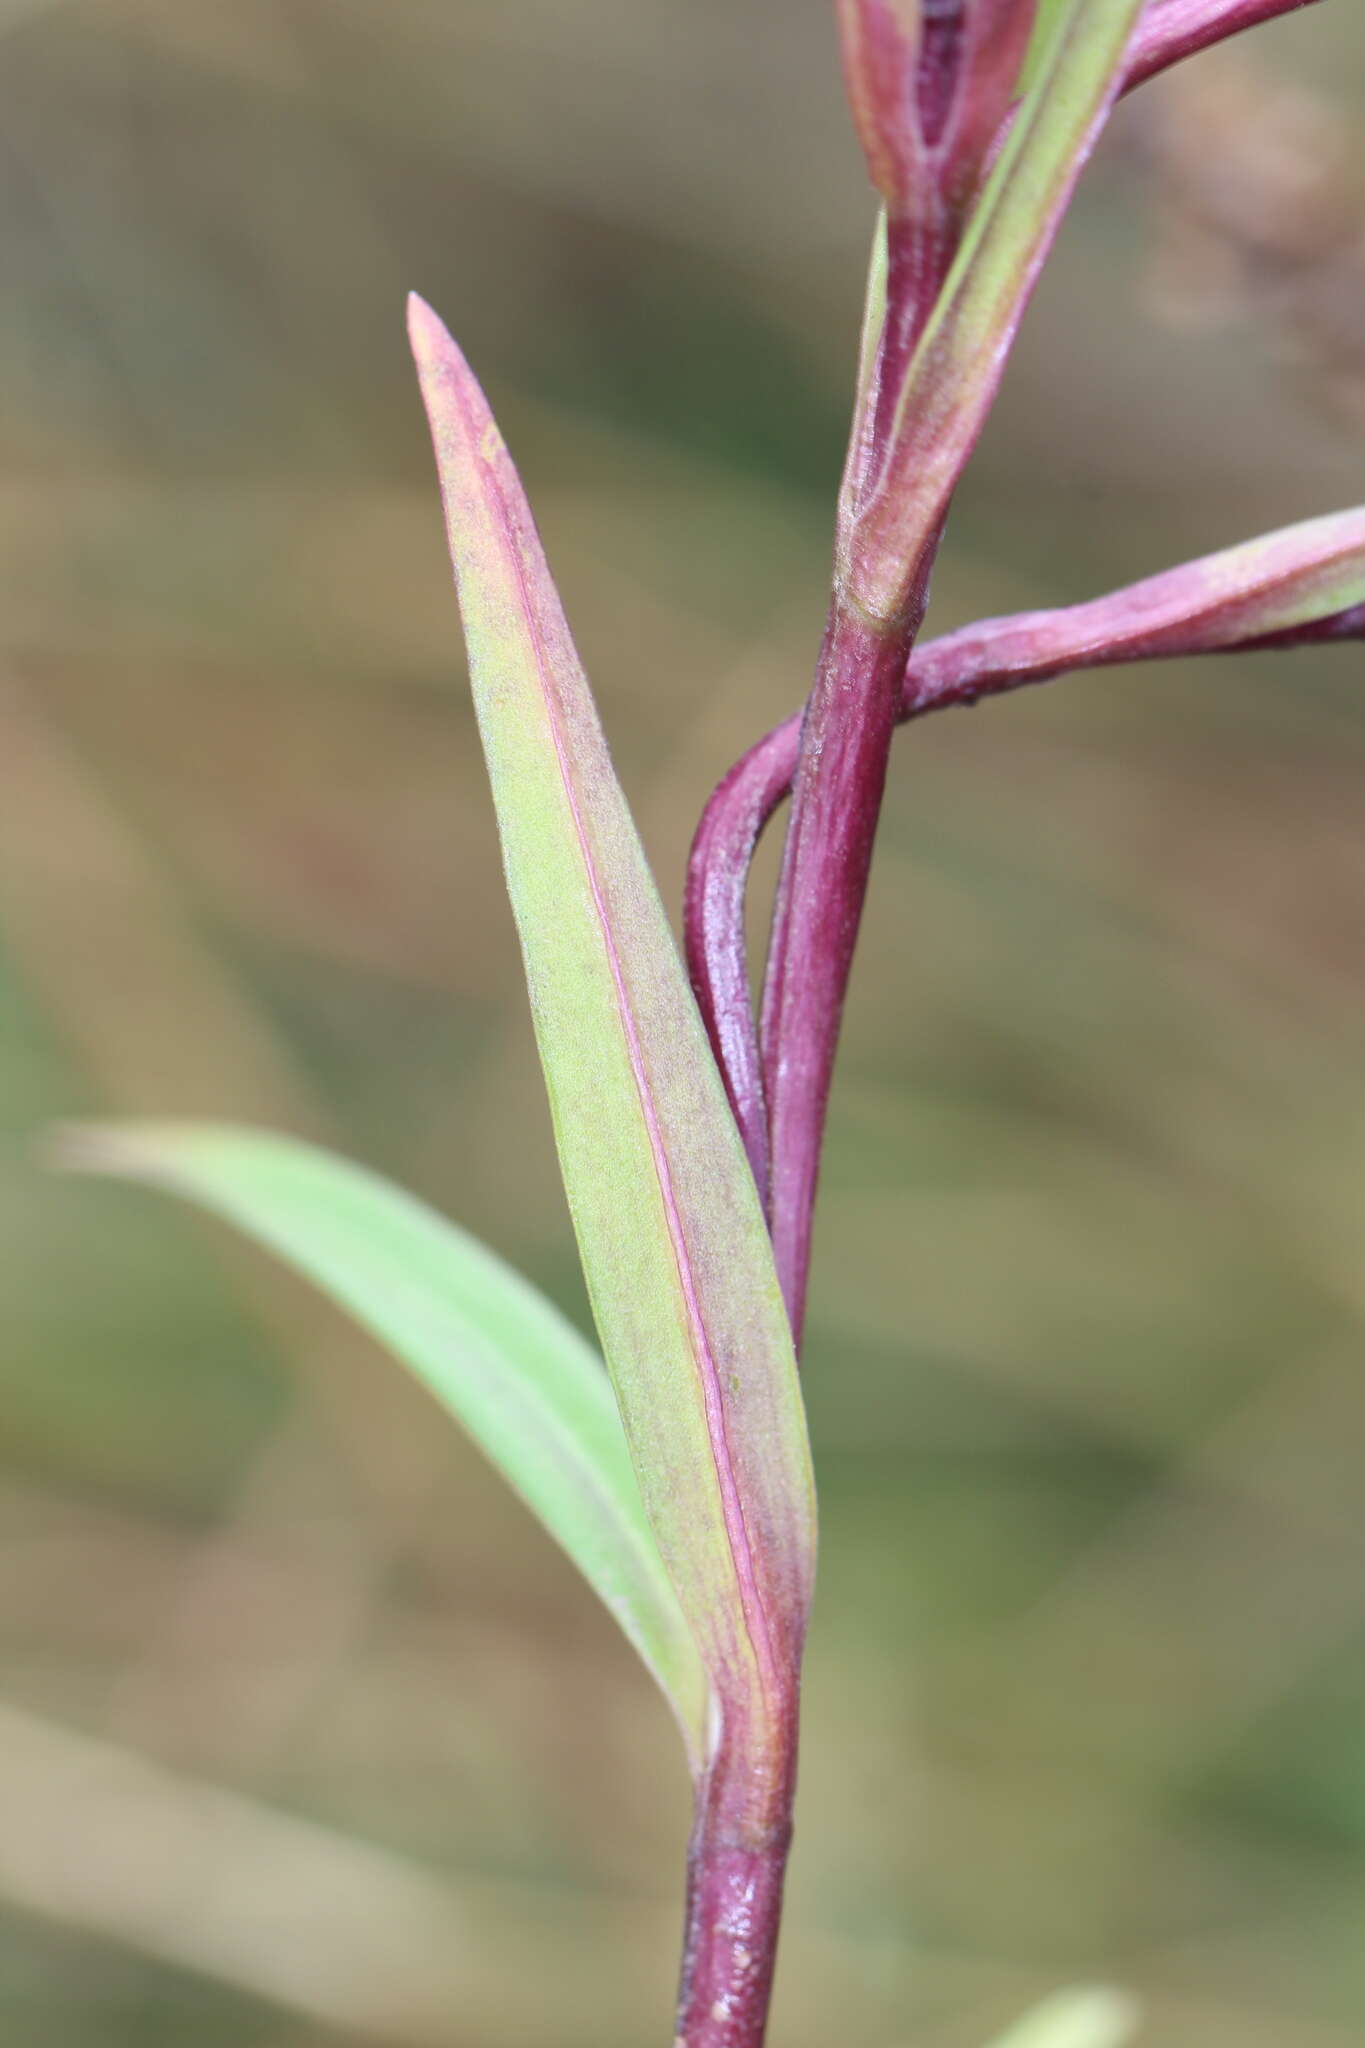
[510, 1368]
[952, 378]
[1091, 2016]
[672, 1239]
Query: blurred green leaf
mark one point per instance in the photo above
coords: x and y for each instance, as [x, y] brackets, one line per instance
[672, 1238]
[1090, 2016]
[509, 1367]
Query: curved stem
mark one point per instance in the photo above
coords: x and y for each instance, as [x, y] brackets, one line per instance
[1245, 598]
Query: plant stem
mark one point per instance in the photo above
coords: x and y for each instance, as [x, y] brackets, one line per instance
[736, 1865]
[836, 799]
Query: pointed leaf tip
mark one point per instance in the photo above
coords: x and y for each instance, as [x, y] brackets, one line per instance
[673, 1242]
[426, 331]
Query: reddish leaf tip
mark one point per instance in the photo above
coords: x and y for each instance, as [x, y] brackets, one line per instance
[435, 350]
[427, 332]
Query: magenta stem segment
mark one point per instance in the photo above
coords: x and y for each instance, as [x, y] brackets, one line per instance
[933, 110]
[844, 746]
[736, 1869]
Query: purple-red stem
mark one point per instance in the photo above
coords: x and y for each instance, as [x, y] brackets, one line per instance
[736, 1868]
[845, 744]
[738, 1854]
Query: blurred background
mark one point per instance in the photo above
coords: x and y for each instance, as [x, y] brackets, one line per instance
[307, 1735]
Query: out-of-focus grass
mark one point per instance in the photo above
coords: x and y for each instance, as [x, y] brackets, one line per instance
[309, 1735]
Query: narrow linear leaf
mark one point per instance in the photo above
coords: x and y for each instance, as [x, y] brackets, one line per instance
[1046, 16]
[1090, 2016]
[673, 1243]
[1305, 583]
[510, 1368]
[874, 315]
[1299, 577]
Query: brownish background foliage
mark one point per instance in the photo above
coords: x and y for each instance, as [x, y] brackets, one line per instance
[306, 1735]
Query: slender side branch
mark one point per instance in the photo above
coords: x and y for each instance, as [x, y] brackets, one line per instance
[1174, 29]
[925, 168]
[1300, 586]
